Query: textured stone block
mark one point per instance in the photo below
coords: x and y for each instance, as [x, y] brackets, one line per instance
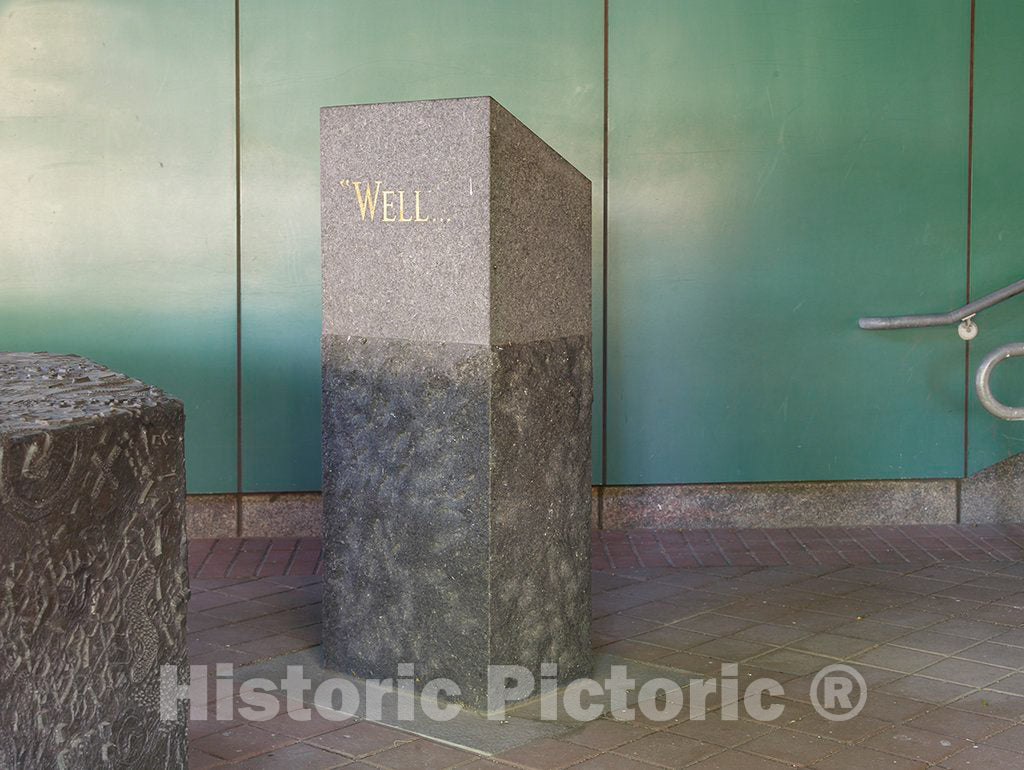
[92, 566]
[456, 394]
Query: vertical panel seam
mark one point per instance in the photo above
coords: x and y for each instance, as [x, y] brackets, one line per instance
[967, 266]
[604, 285]
[238, 281]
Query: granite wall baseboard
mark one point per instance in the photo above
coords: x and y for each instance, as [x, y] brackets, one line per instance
[288, 514]
[993, 495]
[209, 516]
[811, 504]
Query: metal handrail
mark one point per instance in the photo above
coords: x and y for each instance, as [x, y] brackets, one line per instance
[981, 382]
[942, 319]
[968, 330]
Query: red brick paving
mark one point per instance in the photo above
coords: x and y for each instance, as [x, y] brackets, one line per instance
[254, 557]
[649, 548]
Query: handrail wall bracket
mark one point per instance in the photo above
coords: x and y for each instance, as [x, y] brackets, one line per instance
[968, 330]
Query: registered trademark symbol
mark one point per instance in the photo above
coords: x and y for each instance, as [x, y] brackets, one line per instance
[833, 690]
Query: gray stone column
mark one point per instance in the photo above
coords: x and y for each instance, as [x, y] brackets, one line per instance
[456, 394]
[93, 581]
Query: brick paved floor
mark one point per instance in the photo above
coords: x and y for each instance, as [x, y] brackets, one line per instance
[933, 618]
[636, 548]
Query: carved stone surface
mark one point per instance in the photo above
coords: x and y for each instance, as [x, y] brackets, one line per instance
[92, 566]
[457, 391]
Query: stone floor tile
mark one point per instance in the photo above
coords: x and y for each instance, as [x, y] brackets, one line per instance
[611, 762]
[892, 708]
[947, 721]
[1013, 684]
[790, 662]
[927, 640]
[860, 758]
[730, 649]
[240, 742]
[311, 723]
[676, 639]
[423, 755]
[992, 703]
[847, 731]
[359, 739]
[720, 732]
[606, 734]
[872, 630]
[693, 663]
[995, 654]
[659, 612]
[298, 756]
[897, 658]
[252, 589]
[832, 645]
[792, 747]
[621, 626]
[634, 650]
[771, 633]
[667, 750]
[547, 754]
[200, 760]
[273, 646]
[965, 672]
[731, 759]
[921, 688]
[239, 611]
[808, 620]
[1013, 637]
[910, 618]
[969, 628]
[987, 757]
[1010, 739]
[912, 743]
[714, 624]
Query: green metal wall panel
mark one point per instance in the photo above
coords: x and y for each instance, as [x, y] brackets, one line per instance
[117, 200]
[777, 169]
[541, 60]
[997, 232]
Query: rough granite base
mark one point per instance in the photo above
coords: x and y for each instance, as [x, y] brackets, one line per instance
[456, 500]
[92, 496]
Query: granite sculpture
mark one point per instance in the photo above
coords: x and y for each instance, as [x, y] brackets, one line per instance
[457, 392]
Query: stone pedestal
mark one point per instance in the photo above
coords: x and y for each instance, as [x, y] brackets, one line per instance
[456, 394]
[93, 582]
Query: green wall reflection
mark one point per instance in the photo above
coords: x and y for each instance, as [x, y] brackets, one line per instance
[776, 170]
[117, 200]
